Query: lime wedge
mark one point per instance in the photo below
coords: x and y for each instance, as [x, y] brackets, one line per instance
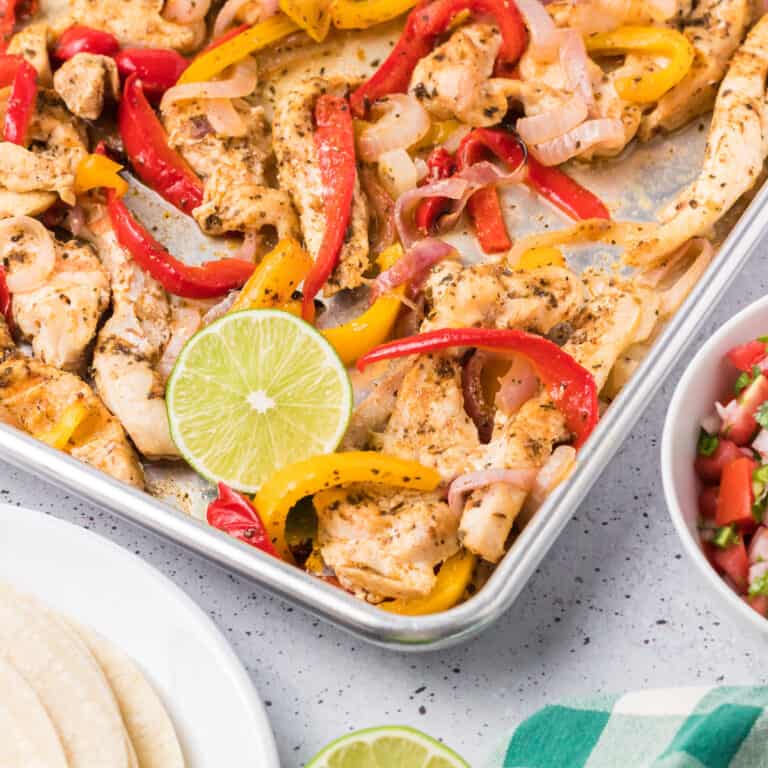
[389, 747]
[254, 391]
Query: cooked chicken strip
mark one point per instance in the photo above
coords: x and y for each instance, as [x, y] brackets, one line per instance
[715, 29]
[299, 174]
[86, 82]
[493, 295]
[129, 346]
[385, 542]
[57, 145]
[34, 396]
[526, 439]
[455, 79]
[733, 159]
[60, 317]
[133, 22]
[604, 15]
[32, 43]
[25, 203]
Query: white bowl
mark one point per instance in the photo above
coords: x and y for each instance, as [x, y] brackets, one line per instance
[707, 378]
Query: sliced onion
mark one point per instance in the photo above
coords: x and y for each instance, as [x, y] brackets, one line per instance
[519, 384]
[401, 121]
[673, 297]
[545, 37]
[383, 209]
[606, 131]
[462, 485]
[557, 467]
[247, 249]
[397, 172]
[710, 423]
[451, 144]
[727, 412]
[758, 547]
[240, 84]
[75, 221]
[475, 404]
[185, 324]
[230, 9]
[27, 234]
[459, 187]
[550, 125]
[412, 266]
[575, 64]
[224, 118]
[757, 571]
[760, 443]
[186, 11]
[220, 308]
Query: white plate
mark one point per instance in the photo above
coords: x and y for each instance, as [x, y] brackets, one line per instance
[218, 715]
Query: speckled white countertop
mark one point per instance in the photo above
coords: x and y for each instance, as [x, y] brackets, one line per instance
[614, 606]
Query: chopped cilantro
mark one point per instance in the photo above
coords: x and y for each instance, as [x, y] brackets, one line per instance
[707, 443]
[764, 339]
[742, 382]
[761, 417]
[725, 536]
[759, 586]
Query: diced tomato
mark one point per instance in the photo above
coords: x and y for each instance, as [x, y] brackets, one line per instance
[745, 356]
[759, 603]
[708, 502]
[709, 468]
[742, 426]
[732, 562]
[734, 504]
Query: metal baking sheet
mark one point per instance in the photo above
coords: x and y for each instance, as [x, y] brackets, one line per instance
[635, 185]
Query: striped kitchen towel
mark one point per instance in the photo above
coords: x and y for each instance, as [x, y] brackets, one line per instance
[665, 728]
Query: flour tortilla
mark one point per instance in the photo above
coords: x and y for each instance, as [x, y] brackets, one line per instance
[146, 719]
[29, 739]
[69, 683]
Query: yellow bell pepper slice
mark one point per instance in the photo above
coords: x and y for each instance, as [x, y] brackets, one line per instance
[313, 16]
[353, 339]
[655, 41]
[276, 278]
[453, 579]
[361, 14]
[95, 171]
[72, 418]
[208, 65]
[438, 133]
[305, 478]
[544, 256]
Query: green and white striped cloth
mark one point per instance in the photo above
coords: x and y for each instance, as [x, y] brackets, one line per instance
[665, 728]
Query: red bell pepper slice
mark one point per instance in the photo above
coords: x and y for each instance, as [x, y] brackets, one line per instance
[146, 144]
[746, 356]
[9, 66]
[335, 143]
[21, 104]
[6, 302]
[564, 192]
[79, 39]
[734, 503]
[221, 39]
[214, 278]
[233, 514]
[425, 23]
[158, 69]
[733, 562]
[571, 386]
[440, 165]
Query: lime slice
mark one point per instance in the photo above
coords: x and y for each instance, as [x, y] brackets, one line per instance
[254, 391]
[389, 747]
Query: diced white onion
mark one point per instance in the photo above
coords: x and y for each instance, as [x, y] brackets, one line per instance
[727, 412]
[397, 172]
[760, 443]
[711, 423]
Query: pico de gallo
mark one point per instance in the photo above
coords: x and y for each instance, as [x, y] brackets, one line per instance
[732, 464]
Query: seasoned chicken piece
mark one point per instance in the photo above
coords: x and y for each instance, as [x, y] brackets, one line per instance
[385, 542]
[25, 203]
[525, 440]
[299, 174]
[715, 29]
[32, 43]
[129, 346]
[493, 295]
[34, 397]
[604, 15]
[236, 196]
[57, 144]
[134, 22]
[733, 158]
[455, 79]
[60, 317]
[429, 423]
[86, 82]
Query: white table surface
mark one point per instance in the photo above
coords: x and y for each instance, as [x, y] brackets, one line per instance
[614, 606]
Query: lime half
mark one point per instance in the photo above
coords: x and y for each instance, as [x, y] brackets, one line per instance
[254, 391]
[389, 747]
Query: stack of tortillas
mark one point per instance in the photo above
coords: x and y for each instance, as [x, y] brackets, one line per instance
[69, 699]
